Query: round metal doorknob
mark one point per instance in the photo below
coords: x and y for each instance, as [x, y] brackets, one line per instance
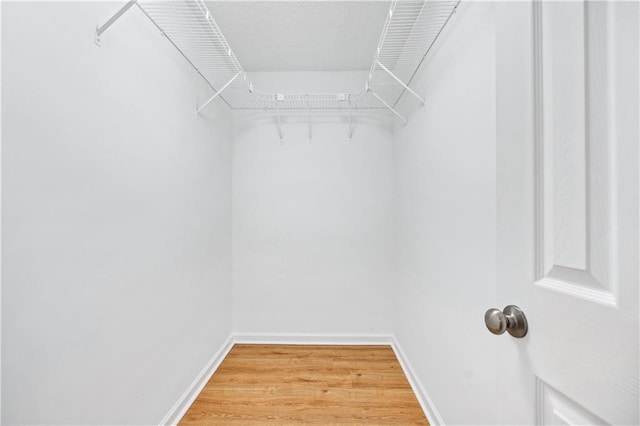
[496, 321]
[511, 319]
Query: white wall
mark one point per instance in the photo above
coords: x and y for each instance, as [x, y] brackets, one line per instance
[446, 222]
[116, 219]
[312, 220]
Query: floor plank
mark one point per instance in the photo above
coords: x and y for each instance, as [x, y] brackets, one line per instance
[293, 384]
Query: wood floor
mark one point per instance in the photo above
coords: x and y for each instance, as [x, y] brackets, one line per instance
[289, 384]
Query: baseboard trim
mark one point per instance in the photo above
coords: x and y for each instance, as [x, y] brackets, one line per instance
[183, 403]
[418, 389]
[312, 339]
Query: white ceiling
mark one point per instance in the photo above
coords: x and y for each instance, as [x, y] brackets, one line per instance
[301, 35]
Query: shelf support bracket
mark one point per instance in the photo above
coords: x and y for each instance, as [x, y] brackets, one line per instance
[100, 30]
[279, 123]
[309, 116]
[389, 107]
[227, 84]
[400, 81]
[349, 114]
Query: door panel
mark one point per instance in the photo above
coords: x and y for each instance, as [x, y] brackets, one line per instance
[556, 409]
[579, 178]
[575, 151]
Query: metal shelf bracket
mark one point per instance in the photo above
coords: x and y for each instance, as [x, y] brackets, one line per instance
[100, 30]
[309, 115]
[215, 95]
[382, 101]
[349, 114]
[279, 123]
[400, 81]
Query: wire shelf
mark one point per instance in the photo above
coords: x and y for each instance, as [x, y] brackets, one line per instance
[410, 29]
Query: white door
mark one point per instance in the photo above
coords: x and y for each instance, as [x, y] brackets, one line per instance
[568, 236]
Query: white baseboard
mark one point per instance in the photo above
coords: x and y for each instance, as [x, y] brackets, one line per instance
[423, 397]
[184, 402]
[186, 399]
[312, 339]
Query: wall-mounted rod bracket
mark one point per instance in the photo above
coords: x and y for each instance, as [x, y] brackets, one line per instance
[349, 114]
[227, 84]
[389, 107]
[100, 30]
[309, 116]
[400, 81]
[279, 123]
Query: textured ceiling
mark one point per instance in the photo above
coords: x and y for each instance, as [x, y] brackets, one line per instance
[301, 35]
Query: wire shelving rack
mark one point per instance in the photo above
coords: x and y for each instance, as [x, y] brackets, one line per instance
[410, 30]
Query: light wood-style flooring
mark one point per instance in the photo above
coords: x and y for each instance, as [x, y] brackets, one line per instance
[291, 384]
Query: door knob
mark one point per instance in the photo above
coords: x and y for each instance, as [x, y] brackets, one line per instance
[511, 319]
